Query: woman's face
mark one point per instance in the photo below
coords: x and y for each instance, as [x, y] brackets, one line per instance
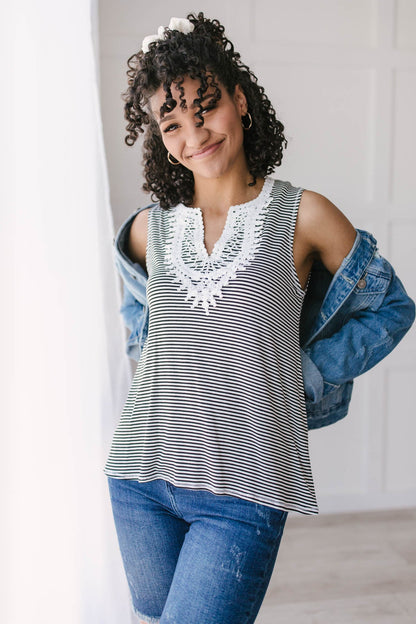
[211, 150]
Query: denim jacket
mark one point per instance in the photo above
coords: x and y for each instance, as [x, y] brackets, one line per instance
[349, 322]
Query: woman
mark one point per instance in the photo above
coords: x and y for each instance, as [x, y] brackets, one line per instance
[211, 451]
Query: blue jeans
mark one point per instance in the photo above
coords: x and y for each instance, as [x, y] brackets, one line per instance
[191, 556]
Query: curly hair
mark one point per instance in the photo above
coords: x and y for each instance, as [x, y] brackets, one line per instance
[207, 55]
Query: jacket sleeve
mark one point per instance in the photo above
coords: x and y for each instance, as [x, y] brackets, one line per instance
[367, 335]
[133, 314]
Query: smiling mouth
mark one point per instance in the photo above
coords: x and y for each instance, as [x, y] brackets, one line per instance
[207, 151]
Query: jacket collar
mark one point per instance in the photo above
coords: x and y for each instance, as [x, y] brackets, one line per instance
[345, 279]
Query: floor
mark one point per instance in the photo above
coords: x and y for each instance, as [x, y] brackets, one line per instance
[353, 568]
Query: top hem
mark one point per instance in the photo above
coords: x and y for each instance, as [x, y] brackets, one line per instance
[227, 491]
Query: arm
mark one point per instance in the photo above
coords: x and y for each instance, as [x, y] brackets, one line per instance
[322, 232]
[137, 243]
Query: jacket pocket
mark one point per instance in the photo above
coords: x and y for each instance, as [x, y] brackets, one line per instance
[373, 284]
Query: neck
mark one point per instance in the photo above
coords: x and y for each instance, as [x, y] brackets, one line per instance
[216, 195]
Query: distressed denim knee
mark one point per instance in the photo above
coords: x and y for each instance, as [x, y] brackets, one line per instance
[145, 619]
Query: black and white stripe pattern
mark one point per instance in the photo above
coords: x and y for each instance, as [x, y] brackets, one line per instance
[217, 400]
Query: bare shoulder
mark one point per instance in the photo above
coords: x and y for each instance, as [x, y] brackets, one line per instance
[323, 230]
[316, 211]
[137, 243]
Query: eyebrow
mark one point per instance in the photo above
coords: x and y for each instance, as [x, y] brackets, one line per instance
[193, 106]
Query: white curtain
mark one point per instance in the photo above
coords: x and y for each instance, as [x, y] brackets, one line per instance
[64, 371]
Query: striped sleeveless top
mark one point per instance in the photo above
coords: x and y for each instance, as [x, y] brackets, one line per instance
[217, 399]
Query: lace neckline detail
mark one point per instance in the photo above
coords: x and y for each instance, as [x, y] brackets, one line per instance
[204, 275]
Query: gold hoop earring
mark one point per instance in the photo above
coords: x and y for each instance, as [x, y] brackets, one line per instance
[250, 120]
[172, 162]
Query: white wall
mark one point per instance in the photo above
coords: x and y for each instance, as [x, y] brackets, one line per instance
[342, 77]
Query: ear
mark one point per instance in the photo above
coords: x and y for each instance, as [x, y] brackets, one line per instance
[240, 100]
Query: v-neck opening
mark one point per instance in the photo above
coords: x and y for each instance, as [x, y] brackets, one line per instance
[219, 243]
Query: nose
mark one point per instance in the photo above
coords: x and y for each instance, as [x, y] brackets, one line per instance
[196, 136]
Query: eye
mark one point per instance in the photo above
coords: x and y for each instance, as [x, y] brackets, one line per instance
[207, 108]
[171, 127]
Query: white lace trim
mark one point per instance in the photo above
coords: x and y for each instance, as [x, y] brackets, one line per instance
[204, 275]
